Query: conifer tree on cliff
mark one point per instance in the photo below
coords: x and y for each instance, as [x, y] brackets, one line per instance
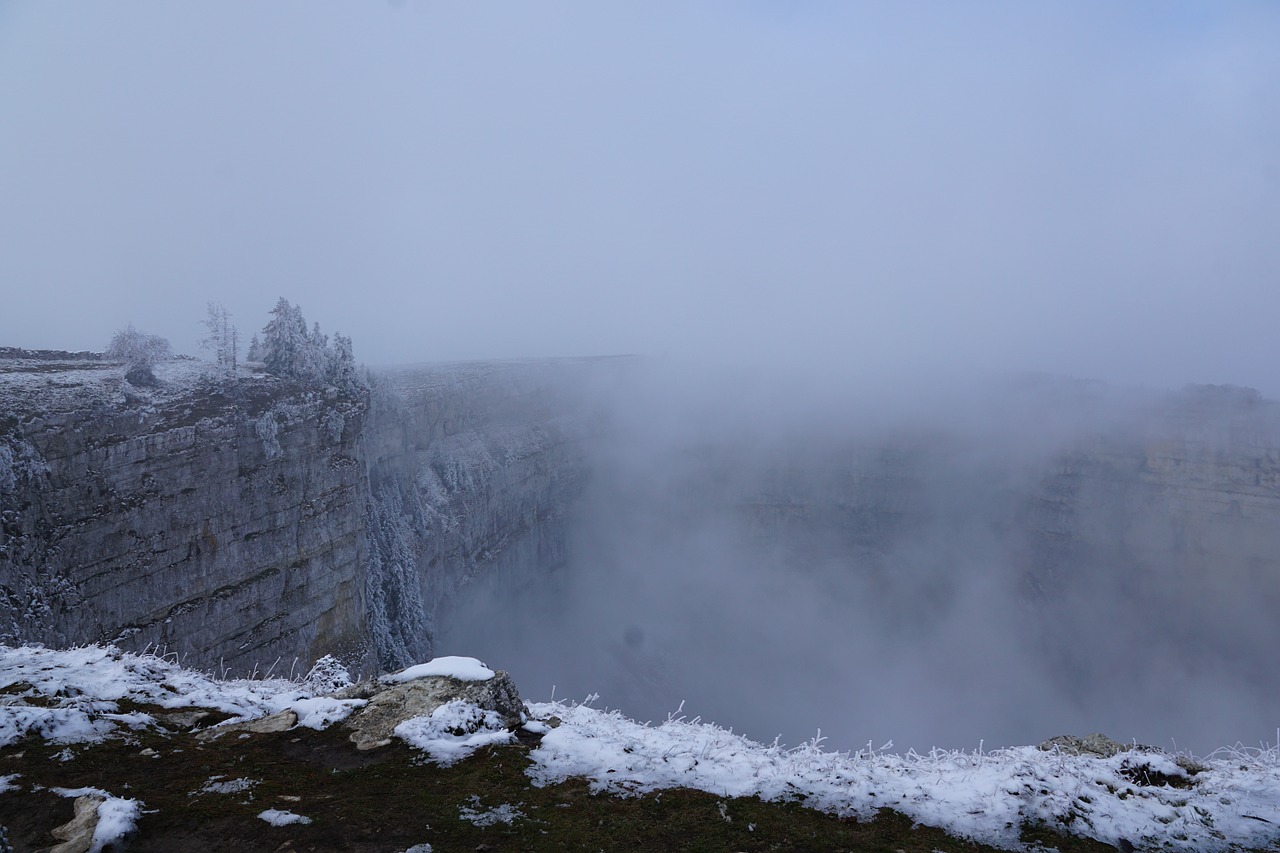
[284, 340]
[291, 351]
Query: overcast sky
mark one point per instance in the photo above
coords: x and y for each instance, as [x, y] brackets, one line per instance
[1090, 188]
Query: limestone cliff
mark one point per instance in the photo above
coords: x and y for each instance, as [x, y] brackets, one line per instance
[237, 522]
[217, 519]
[474, 475]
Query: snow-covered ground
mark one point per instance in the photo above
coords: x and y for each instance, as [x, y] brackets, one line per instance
[80, 689]
[1227, 800]
[983, 796]
[72, 385]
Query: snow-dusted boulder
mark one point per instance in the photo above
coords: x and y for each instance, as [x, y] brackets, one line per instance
[420, 690]
[1096, 744]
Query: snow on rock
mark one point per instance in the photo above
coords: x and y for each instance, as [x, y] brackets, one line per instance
[1234, 800]
[279, 817]
[391, 705]
[461, 668]
[100, 820]
[7, 782]
[78, 691]
[116, 819]
[320, 712]
[454, 730]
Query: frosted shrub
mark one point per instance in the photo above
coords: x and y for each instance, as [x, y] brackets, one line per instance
[328, 675]
[140, 352]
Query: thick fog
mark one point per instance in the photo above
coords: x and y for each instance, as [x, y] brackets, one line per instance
[851, 216]
[1036, 556]
[1079, 187]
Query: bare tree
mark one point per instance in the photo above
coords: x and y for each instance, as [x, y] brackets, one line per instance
[223, 339]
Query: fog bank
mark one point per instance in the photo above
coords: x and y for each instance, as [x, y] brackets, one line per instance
[1052, 556]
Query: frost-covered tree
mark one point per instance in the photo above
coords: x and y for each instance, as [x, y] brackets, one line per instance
[255, 350]
[313, 357]
[284, 339]
[292, 351]
[342, 365]
[140, 352]
[223, 339]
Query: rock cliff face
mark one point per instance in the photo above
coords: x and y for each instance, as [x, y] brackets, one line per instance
[1170, 531]
[475, 476]
[218, 520]
[240, 522]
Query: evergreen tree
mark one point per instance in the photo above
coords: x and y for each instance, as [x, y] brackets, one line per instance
[291, 351]
[342, 365]
[284, 340]
[255, 350]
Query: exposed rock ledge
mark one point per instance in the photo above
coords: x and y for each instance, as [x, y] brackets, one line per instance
[390, 705]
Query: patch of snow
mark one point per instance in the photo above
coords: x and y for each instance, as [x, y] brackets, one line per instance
[537, 727]
[419, 848]
[56, 725]
[76, 385]
[322, 711]
[116, 819]
[278, 817]
[461, 668]
[231, 786]
[453, 731]
[78, 792]
[6, 782]
[505, 813]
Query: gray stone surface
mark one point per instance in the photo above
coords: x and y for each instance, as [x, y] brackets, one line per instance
[279, 722]
[167, 522]
[256, 524]
[475, 470]
[389, 705]
[1096, 744]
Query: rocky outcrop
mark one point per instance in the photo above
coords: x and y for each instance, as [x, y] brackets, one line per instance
[217, 519]
[389, 705]
[249, 522]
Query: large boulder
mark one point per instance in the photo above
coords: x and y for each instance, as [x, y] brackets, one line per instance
[390, 704]
[1096, 744]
